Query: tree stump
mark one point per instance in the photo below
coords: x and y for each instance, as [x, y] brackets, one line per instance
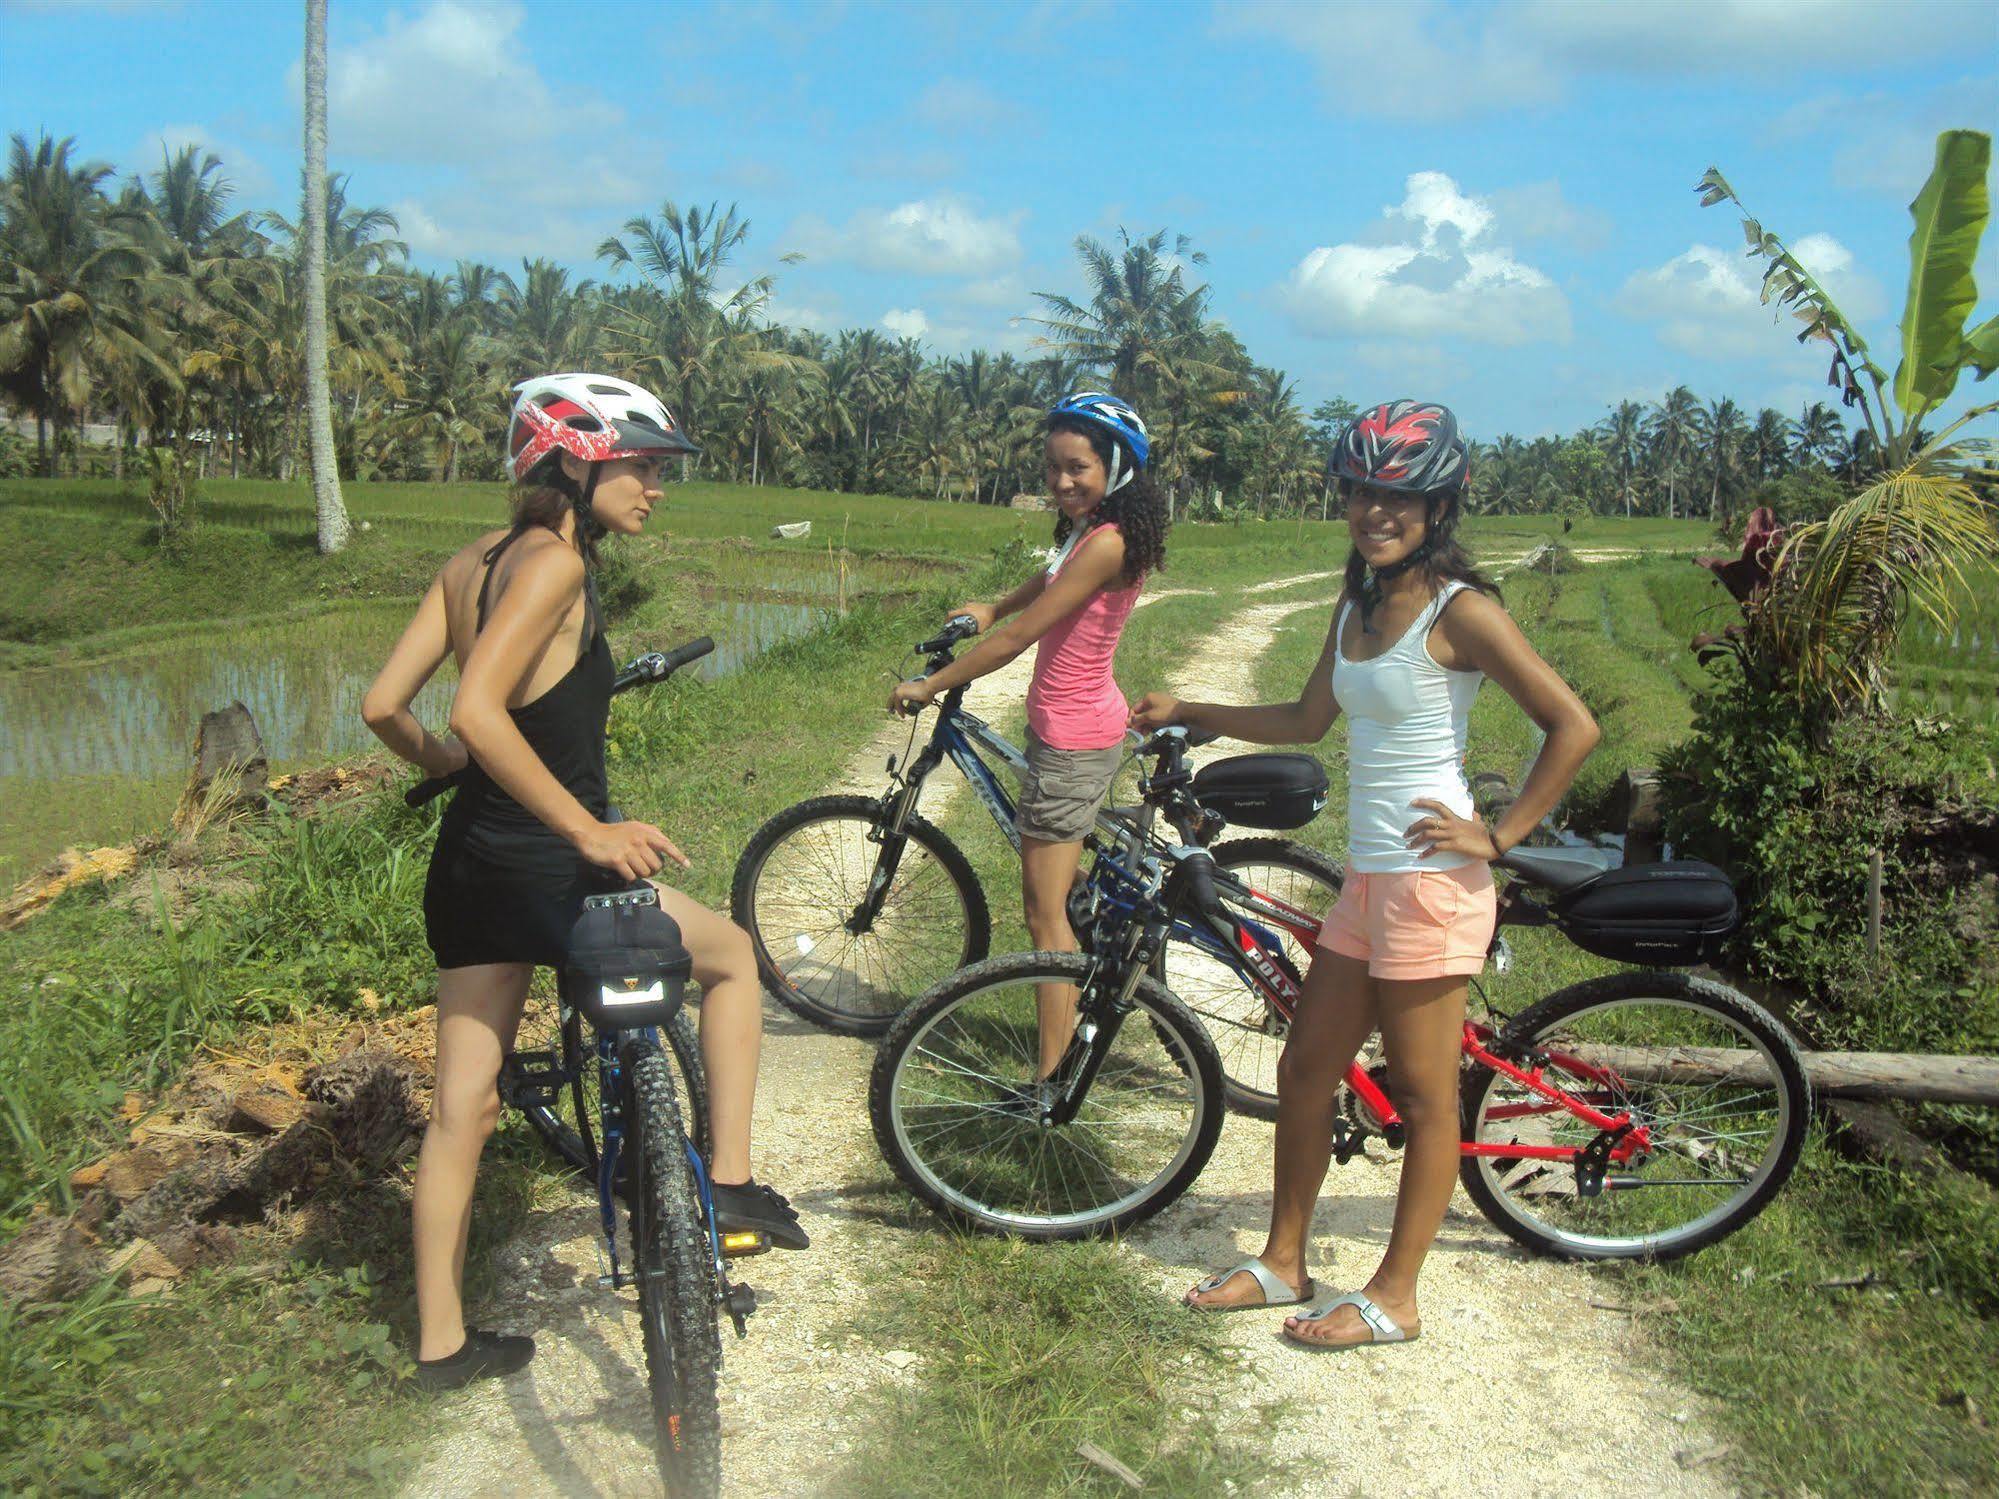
[229, 762]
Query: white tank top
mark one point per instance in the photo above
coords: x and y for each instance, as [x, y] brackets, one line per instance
[1406, 719]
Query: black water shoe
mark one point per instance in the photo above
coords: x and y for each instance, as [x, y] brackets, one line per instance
[483, 1355]
[755, 1208]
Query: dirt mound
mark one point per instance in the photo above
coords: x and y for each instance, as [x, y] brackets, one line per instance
[240, 1140]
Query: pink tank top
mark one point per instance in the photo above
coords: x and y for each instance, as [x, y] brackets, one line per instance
[1073, 702]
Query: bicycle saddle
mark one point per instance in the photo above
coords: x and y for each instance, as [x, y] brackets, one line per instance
[1559, 868]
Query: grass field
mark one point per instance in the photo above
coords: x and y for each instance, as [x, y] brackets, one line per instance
[101, 996]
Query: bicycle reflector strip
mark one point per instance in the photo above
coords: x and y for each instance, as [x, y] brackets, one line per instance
[627, 966]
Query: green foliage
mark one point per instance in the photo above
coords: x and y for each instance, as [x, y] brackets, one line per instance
[1804, 494]
[1949, 214]
[170, 490]
[1794, 811]
[1030, 1350]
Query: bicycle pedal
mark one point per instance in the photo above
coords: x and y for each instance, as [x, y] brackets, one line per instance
[742, 1245]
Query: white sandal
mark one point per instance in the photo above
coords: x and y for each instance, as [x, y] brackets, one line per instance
[1381, 1327]
[1275, 1292]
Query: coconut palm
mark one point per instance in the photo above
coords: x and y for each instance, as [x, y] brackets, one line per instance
[331, 511]
[1673, 427]
[1816, 435]
[1622, 437]
[74, 284]
[1826, 626]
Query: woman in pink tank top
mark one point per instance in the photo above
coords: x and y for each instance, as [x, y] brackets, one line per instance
[1111, 532]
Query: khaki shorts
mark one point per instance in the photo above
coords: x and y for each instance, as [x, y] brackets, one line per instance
[1062, 789]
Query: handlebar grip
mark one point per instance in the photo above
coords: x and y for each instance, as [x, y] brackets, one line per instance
[432, 789]
[694, 650]
[1200, 869]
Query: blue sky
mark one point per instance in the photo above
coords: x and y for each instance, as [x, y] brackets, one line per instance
[1489, 204]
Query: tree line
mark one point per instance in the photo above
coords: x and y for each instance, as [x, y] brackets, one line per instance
[152, 304]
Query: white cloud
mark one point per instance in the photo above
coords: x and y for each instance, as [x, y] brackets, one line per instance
[453, 83]
[1886, 141]
[1424, 60]
[906, 322]
[931, 237]
[1433, 272]
[1008, 290]
[1707, 301]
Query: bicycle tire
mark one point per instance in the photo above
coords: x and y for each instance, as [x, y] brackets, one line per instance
[1687, 1000]
[838, 1004]
[1249, 1037]
[576, 1148]
[1185, 1050]
[673, 1266]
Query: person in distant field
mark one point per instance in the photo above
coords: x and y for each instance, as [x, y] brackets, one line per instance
[1414, 632]
[1110, 534]
[525, 838]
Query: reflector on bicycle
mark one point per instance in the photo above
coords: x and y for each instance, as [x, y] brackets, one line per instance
[627, 966]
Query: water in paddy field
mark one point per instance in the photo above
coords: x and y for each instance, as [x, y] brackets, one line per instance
[136, 715]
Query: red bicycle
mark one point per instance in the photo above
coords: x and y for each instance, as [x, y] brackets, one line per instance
[1644, 1114]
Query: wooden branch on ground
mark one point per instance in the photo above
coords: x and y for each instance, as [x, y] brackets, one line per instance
[1834, 1074]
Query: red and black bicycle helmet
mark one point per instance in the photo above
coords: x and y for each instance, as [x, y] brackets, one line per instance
[1411, 446]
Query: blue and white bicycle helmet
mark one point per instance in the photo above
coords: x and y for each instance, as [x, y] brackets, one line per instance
[1127, 432]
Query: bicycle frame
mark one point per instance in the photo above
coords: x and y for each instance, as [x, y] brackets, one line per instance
[1255, 956]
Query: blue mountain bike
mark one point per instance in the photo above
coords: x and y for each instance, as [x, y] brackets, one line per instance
[858, 904]
[618, 1092]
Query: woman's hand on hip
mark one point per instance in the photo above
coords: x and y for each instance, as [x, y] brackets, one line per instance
[1155, 710]
[1442, 831]
[635, 850]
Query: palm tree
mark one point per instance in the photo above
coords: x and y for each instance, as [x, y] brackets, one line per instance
[1816, 435]
[73, 288]
[1767, 447]
[1622, 435]
[332, 512]
[1722, 430]
[1672, 427]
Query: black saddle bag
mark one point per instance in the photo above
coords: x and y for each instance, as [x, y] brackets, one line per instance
[1667, 915]
[1263, 791]
[626, 966]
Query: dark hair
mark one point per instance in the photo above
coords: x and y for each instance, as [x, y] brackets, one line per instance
[1138, 510]
[546, 495]
[1440, 557]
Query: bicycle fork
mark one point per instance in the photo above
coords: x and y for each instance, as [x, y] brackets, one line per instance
[899, 804]
[1099, 1018]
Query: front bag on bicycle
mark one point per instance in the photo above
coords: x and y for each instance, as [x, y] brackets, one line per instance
[1665, 915]
[1263, 791]
[627, 967]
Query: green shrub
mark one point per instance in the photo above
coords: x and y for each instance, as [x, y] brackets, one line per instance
[1796, 818]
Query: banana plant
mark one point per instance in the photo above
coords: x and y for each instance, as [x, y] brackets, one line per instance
[1826, 624]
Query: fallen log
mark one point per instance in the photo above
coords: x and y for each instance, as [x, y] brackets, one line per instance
[1872, 1075]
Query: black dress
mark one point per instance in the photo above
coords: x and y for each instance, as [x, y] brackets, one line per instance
[503, 886]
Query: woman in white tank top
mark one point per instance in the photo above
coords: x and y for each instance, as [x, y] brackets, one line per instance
[1414, 633]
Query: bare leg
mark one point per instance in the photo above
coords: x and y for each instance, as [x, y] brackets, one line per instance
[1336, 1015]
[732, 1026]
[1422, 1030]
[478, 1011]
[1047, 870]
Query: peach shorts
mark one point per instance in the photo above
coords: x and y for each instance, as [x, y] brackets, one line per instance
[1418, 924]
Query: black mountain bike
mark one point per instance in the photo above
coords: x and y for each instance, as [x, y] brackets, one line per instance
[857, 904]
[606, 1094]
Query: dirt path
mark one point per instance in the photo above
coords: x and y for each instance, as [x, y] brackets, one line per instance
[1512, 1345]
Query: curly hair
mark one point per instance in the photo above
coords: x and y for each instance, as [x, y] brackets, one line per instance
[1138, 510]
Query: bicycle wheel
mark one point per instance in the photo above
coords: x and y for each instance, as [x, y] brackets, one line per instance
[1249, 1032]
[1714, 1081]
[555, 1112]
[673, 1266]
[798, 885]
[953, 1099]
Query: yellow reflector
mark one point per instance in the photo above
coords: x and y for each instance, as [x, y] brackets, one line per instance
[741, 1241]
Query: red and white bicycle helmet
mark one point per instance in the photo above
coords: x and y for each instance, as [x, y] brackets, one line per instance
[1411, 446]
[596, 417]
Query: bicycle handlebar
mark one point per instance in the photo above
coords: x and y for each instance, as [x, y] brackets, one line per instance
[653, 666]
[958, 627]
